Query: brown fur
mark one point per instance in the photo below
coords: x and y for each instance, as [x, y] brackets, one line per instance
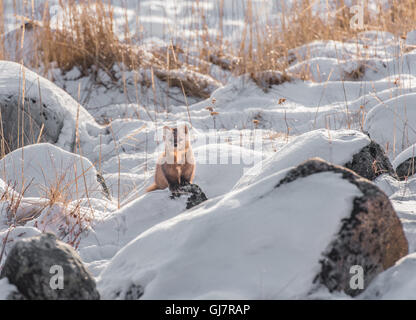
[176, 165]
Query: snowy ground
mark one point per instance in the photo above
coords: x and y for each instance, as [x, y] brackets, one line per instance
[208, 252]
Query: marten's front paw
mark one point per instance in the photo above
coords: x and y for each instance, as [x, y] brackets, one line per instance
[184, 183]
[174, 188]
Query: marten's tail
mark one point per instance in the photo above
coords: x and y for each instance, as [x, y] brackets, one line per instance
[153, 187]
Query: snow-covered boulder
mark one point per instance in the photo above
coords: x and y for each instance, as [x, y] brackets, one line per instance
[33, 262]
[349, 148]
[404, 163]
[39, 169]
[115, 229]
[371, 162]
[261, 242]
[371, 236]
[228, 166]
[392, 123]
[47, 110]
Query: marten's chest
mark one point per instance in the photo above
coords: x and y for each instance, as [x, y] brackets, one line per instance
[175, 159]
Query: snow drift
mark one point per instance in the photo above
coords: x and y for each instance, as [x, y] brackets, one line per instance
[50, 114]
[234, 250]
[258, 242]
[337, 147]
[39, 169]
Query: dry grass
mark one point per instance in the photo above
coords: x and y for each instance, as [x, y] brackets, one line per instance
[264, 52]
[88, 43]
[59, 212]
[91, 43]
[56, 205]
[276, 45]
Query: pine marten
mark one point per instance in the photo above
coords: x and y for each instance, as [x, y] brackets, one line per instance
[176, 165]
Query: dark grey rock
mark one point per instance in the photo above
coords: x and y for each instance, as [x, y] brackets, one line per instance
[28, 267]
[406, 168]
[196, 197]
[39, 119]
[134, 292]
[371, 237]
[371, 162]
[101, 181]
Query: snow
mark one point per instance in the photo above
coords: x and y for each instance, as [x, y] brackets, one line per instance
[14, 234]
[337, 147]
[260, 255]
[397, 283]
[6, 288]
[38, 169]
[60, 111]
[249, 240]
[392, 123]
[114, 230]
[411, 38]
[403, 156]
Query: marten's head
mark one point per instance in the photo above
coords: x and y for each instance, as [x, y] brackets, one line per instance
[177, 137]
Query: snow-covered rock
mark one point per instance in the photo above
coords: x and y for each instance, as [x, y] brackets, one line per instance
[114, 230]
[48, 110]
[342, 147]
[371, 237]
[32, 262]
[125, 153]
[220, 166]
[248, 244]
[41, 169]
[404, 163]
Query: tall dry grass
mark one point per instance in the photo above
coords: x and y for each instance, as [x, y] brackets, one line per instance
[90, 43]
[275, 44]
